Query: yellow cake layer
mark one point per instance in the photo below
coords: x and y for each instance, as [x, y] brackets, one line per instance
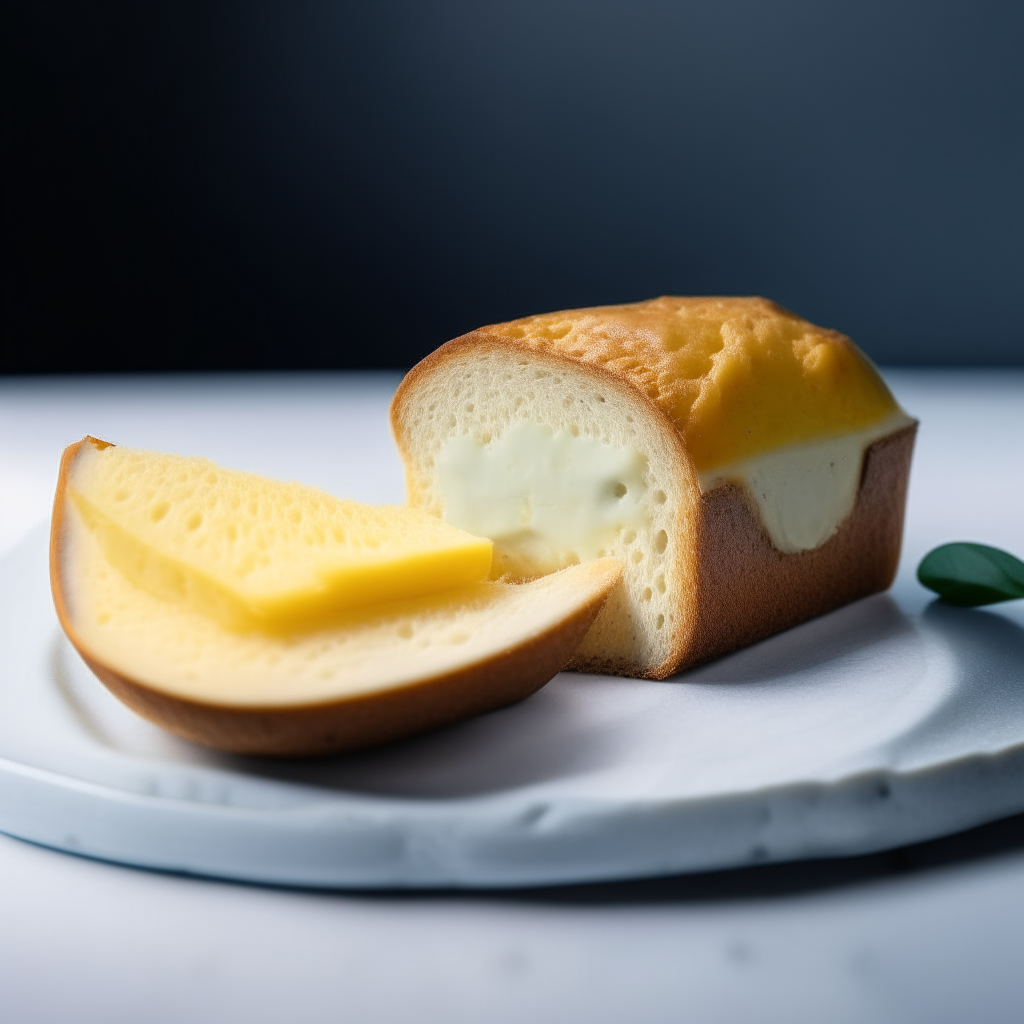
[259, 553]
[172, 649]
[737, 376]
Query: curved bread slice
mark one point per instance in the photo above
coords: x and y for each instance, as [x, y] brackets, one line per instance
[671, 391]
[377, 674]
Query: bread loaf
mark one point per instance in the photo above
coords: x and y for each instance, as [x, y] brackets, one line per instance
[748, 468]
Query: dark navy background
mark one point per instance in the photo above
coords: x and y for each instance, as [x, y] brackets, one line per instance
[294, 184]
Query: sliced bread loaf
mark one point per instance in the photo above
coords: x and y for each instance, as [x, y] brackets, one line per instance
[748, 468]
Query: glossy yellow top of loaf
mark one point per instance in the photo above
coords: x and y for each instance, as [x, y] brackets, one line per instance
[737, 376]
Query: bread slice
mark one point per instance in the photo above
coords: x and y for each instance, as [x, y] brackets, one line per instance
[374, 674]
[748, 468]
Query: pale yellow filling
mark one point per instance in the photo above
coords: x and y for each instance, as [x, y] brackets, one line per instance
[546, 498]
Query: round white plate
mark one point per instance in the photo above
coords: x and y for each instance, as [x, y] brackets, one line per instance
[887, 722]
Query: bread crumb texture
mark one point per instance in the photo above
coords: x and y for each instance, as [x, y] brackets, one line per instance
[177, 650]
[259, 553]
[737, 376]
[487, 392]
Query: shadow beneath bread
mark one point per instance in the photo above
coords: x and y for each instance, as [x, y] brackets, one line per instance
[810, 645]
[547, 737]
[830, 684]
[579, 724]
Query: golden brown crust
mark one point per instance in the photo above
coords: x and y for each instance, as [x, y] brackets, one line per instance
[474, 340]
[57, 533]
[348, 723]
[721, 368]
[365, 721]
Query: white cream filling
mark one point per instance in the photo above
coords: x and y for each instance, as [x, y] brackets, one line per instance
[547, 499]
[803, 492]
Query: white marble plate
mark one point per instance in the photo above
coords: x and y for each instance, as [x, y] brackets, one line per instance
[887, 722]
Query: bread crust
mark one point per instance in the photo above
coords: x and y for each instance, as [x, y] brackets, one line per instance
[747, 590]
[744, 588]
[347, 723]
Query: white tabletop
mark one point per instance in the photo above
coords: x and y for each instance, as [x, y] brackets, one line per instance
[933, 933]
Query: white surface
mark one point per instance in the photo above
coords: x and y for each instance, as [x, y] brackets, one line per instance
[91, 942]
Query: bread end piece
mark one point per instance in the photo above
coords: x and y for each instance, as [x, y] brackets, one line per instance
[350, 721]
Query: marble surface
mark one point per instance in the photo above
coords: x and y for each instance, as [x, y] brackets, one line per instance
[858, 942]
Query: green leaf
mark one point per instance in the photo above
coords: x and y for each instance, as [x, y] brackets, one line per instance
[972, 574]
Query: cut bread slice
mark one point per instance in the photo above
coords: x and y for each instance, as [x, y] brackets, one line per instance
[375, 674]
[748, 468]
